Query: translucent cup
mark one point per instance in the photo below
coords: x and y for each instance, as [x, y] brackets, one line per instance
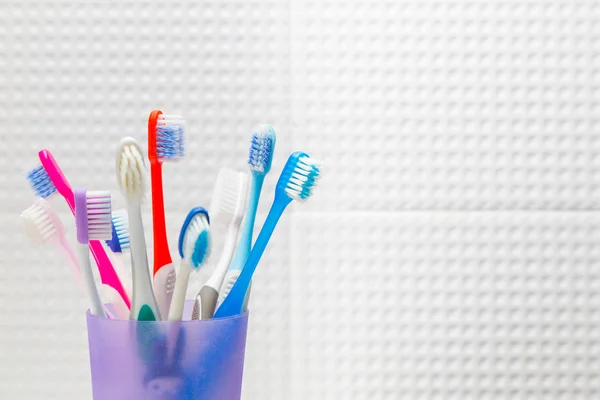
[133, 360]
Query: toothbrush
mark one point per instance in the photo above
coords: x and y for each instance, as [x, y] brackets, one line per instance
[227, 209]
[48, 179]
[297, 181]
[92, 218]
[165, 143]
[194, 249]
[131, 177]
[260, 159]
[119, 244]
[43, 225]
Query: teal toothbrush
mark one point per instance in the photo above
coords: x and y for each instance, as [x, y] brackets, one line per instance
[297, 181]
[260, 159]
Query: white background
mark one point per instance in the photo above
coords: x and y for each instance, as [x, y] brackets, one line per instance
[452, 251]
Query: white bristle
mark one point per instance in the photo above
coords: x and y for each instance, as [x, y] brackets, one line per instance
[99, 215]
[198, 225]
[229, 195]
[131, 170]
[303, 180]
[170, 119]
[40, 222]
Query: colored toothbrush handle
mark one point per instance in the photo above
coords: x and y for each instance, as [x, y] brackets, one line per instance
[234, 303]
[162, 255]
[245, 242]
[96, 306]
[143, 307]
[108, 275]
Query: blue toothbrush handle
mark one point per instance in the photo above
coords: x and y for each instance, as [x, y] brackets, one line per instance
[245, 242]
[234, 302]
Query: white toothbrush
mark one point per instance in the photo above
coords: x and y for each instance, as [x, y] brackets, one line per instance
[194, 249]
[43, 225]
[227, 209]
[92, 218]
[131, 177]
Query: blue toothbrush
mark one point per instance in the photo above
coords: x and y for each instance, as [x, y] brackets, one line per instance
[260, 159]
[297, 181]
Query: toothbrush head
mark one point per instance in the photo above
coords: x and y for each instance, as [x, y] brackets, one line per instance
[166, 137]
[194, 238]
[40, 182]
[262, 147]
[299, 177]
[119, 242]
[131, 170]
[41, 223]
[92, 215]
[228, 202]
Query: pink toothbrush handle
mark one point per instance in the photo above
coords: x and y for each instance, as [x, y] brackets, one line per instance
[108, 275]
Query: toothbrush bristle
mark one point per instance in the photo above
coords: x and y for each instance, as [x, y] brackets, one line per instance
[201, 249]
[303, 179]
[119, 241]
[40, 182]
[131, 170]
[40, 223]
[99, 217]
[170, 137]
[262, 146]
[229, 195]
[197, 244]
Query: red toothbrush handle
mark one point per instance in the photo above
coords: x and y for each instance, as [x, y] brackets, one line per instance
[162, 256]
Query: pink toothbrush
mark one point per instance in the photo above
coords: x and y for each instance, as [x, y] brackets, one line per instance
[108, 276]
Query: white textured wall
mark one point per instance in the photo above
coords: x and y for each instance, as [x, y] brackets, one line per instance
[453, 249]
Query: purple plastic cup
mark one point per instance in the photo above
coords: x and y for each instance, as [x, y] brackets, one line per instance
[163, 360]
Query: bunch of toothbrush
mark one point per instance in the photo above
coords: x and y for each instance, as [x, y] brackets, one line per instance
[160, 293]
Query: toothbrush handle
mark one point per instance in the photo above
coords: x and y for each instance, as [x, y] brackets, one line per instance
[96, 305]
[234, 303]
[71, 257]
[107, 273]
[124, 276]
[176, 309]
[162, 256]
[112, 297]
[245, 243]
[144, 307]
[209, 294]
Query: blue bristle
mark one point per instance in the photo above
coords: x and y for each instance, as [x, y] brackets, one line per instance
[113, 242]
[40, 182]
[261, 149]
[299, 176]
[201, 249]
[120, 234]
[311, 180]
[170, 142]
